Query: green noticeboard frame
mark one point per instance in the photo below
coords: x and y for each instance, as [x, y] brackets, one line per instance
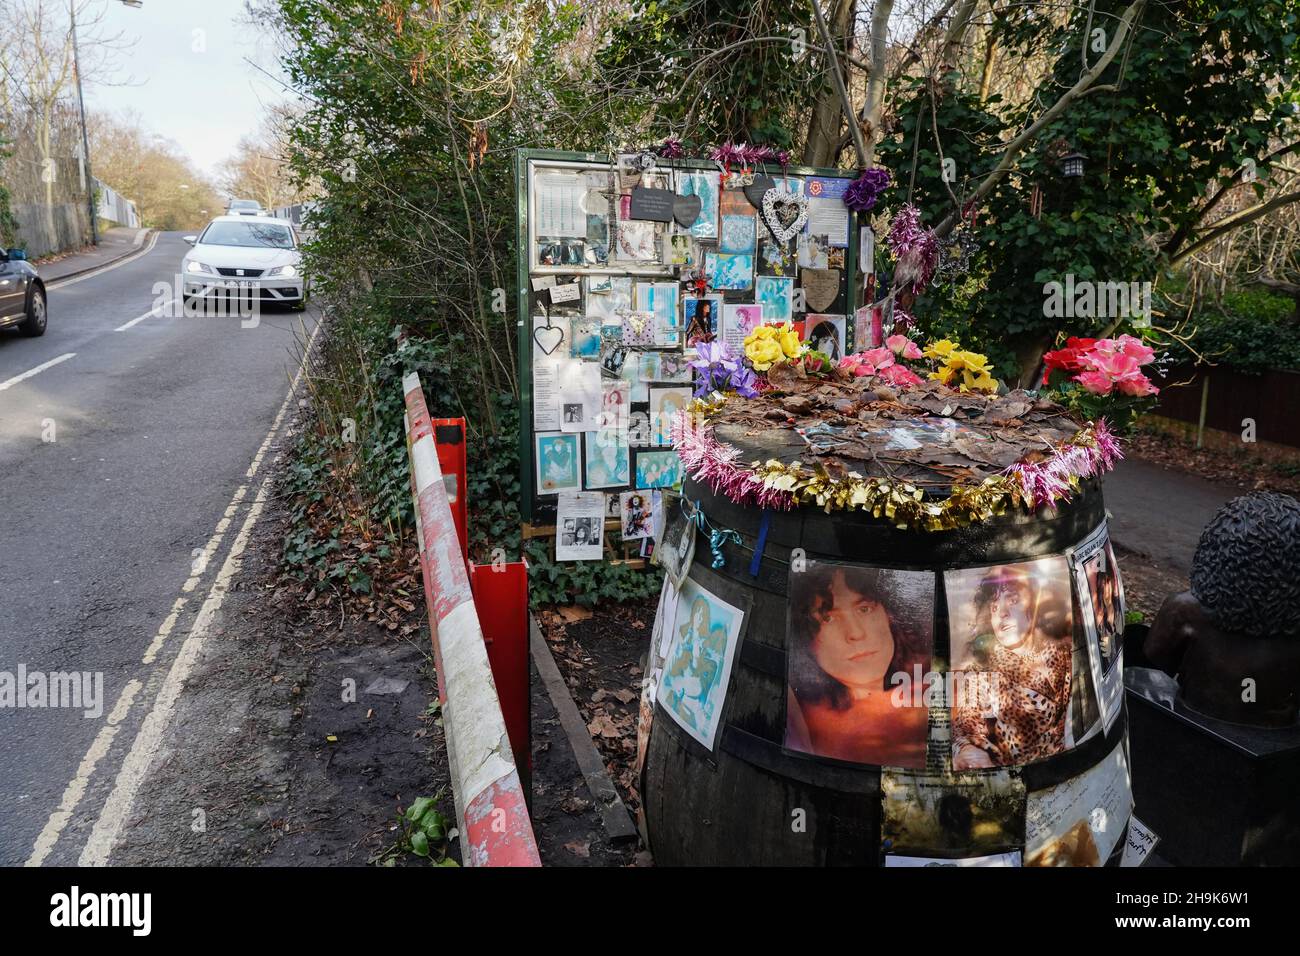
[532, 505]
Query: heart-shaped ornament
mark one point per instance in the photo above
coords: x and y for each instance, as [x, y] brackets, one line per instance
[784, 214]
[548, 338]
[821, 287]
[755, 190]
[686, 209]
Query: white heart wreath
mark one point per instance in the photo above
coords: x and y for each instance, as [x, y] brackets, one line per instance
[774, 198]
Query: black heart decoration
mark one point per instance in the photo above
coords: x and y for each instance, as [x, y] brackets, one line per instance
[541, 337]
[686, 209]
[754, 191]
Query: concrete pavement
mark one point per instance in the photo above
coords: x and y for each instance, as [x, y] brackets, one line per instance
[1160, 513]
[126, 439]
[114, 244]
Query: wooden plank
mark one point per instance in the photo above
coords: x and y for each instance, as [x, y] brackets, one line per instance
[613, 812]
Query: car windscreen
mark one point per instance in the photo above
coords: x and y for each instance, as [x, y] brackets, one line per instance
[247, 234]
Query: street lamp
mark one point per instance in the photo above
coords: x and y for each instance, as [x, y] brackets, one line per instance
[81, 105]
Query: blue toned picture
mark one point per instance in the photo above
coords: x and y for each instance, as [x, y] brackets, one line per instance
[737, 235]
[607, 459]
[658, 469]
[697, 669]
[729, 272]
[584, 337]
[707, 187]
[776, 295]
[557, 458]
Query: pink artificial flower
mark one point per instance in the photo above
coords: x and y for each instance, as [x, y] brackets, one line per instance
[879, 357]
[1125, 345]
[1136, 348]
[1099, 383]
[1136, 384]
[854, 364]
[903, 347]
[899, 375]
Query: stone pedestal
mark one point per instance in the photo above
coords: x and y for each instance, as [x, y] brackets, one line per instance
[1217, 794]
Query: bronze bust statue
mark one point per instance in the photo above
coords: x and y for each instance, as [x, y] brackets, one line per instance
[1233, 640]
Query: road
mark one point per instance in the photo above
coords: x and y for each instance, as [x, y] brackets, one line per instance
[125, 452]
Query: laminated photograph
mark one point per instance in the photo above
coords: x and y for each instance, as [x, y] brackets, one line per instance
[1079, 822]
[857, 640]
[580, 526]
[1101, 599]
[1011, 633]
[697, 669]
[558, 461]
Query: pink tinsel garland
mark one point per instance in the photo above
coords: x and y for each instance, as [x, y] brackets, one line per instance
[1046, 482]
[707, 460]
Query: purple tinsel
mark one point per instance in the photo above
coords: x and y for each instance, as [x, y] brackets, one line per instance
[719, 466]
[742, 154]
[863, 192]
[720, 370]
[1046, 482]
[671, 148]
[914, 247]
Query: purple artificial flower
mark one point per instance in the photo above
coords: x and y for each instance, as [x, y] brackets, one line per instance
[745, 382]
[719, 369]
[865, 191]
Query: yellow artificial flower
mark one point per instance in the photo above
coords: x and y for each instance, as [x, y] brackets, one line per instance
[789, 339]
[940, 350]
[762, 348]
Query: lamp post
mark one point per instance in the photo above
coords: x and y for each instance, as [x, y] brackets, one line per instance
[81, 105]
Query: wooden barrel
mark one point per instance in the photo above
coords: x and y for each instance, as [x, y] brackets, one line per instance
[752, 800]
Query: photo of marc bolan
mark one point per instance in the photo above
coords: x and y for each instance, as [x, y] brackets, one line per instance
[1011, 633]
[852, 632]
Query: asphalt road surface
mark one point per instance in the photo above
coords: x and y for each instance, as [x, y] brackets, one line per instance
[124, 485]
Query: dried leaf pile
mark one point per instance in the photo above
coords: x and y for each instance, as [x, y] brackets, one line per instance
[929, 436]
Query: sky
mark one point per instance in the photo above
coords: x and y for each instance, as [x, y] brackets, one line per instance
[187, 74]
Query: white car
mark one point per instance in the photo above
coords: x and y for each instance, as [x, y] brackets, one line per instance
[253, 256]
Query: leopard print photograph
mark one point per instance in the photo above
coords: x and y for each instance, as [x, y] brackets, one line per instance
[1011, 634]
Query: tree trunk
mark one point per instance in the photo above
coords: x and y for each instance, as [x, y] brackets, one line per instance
[822, 146]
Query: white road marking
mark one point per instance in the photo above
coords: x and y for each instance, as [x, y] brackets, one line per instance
[141, 318]
[76, 788]
[125, 260]
[36, 371]
[136, 763]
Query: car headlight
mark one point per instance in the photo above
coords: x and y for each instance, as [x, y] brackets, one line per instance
[287, 271]
[195, 266]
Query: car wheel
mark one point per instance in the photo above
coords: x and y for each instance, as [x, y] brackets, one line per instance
[34, 324]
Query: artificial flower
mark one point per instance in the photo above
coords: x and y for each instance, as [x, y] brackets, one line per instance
[762, 348]
[863, 193]
[940, 350]
[788, 336]
[899, 375]
[903, 347]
